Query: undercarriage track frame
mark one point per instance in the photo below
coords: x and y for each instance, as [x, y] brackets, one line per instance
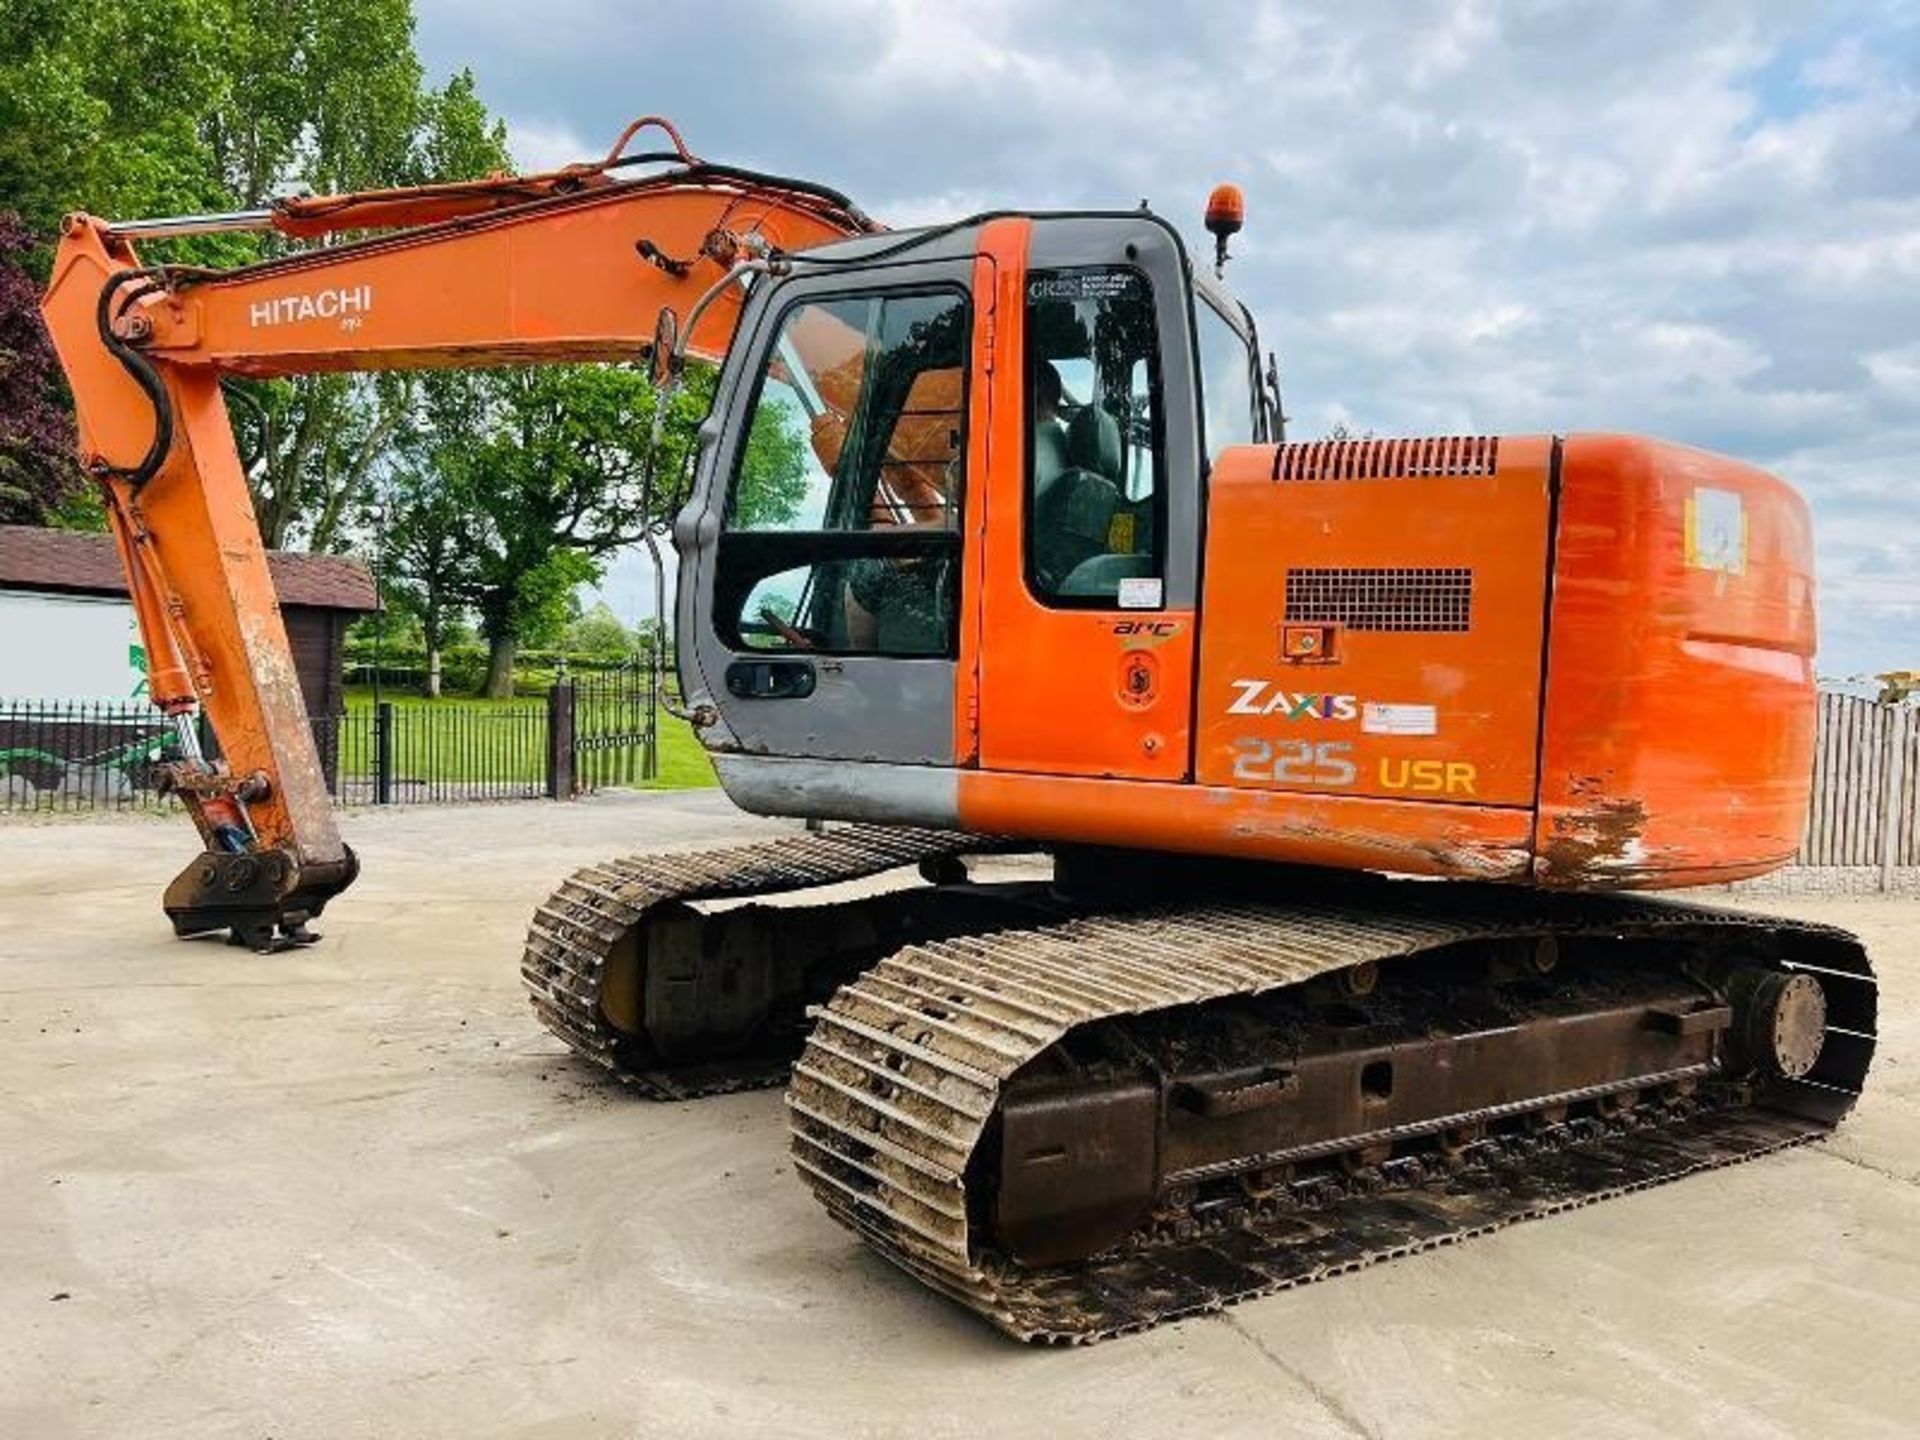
[576, 931]
[899, 1085]
[900, 1079]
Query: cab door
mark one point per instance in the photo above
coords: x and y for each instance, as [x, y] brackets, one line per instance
[1086, 635]
[823, 545]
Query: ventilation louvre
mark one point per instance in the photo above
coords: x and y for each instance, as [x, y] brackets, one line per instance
[1436, 457]
[1434, 599]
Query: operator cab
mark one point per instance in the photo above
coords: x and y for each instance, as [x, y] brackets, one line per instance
[905, 451]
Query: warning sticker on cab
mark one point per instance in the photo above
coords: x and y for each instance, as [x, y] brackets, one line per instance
[1377, 719]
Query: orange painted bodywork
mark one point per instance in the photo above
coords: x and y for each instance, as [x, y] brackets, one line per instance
[1483, 682]
[498, 276]
[310, 216]
[1629, 703]
[196, 568]
[554, 282]
[1579, 663]
[1680, 691]
[1003, 243]
[1343, 832]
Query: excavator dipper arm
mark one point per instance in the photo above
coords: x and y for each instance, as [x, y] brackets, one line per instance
[573, 265]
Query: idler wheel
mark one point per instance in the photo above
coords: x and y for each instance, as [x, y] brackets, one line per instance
[1780, 1021]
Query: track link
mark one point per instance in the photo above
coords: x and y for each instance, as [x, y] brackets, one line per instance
[898, 1087]
[573, 933]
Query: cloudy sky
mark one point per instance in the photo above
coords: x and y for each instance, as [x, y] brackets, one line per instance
[1699, 220]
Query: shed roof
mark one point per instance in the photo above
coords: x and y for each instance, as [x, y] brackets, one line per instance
[71, 562]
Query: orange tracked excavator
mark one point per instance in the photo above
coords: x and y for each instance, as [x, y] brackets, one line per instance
[1056, 584]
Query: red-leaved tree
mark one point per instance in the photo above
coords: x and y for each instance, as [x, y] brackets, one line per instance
[39, 477]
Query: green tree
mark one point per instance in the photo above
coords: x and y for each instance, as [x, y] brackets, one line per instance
[309, 446]
[84, 126]
[773, 471]
[599, 634]
[324, 95]
[179, 106]
[312, 444]
[548, 464]
[79, 129]
[38, 476]
[429, 565]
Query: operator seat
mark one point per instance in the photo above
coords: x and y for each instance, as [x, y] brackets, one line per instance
[1073, 511]
[1049, 454]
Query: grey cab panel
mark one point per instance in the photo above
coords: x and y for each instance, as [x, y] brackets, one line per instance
[819, 601]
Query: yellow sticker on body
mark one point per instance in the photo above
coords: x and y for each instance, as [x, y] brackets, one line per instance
[1717, 531]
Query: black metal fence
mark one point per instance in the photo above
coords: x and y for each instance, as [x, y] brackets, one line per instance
[82, 756]
[400, 752]
[581, 737]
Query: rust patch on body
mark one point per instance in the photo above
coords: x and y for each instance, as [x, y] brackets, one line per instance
[1463, 858]
[1599, 845]
[1477, 860]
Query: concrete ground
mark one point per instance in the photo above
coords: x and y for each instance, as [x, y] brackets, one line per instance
[357, 1191]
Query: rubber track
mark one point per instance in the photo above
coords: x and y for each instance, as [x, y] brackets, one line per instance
[577, 927]
[901, 1077]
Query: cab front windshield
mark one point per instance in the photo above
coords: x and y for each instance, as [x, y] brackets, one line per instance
[842, 523]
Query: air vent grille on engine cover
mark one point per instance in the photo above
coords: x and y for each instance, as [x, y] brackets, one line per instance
[1433, 598]
[1431, 458]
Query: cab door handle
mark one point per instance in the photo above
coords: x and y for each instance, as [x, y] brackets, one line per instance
[770, 679]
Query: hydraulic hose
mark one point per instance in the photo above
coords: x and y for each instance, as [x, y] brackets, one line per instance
[144, 375]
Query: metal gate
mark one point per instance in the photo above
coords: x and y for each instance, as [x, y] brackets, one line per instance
[615, 726]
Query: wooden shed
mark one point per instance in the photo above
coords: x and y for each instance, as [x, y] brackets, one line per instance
[67, 631]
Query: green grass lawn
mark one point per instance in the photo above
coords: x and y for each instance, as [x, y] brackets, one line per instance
[468, 740]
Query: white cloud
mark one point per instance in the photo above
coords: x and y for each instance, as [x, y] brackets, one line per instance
[1701, 221]
[545, 145]
[1897, 371]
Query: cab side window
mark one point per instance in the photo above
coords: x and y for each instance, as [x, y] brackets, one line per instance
[1227, 381]
[841, 532]
[1095, 496]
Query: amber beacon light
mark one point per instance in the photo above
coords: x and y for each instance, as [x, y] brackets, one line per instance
[1226, 213]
